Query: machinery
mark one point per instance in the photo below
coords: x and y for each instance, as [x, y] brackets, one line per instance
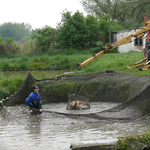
[128, 39]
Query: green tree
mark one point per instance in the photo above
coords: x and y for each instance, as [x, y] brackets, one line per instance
[73, 31]
[93, 28]
[77, 31]
[7, 46]
[104, 28]
[128, 13]
[28, 28]
[45, 38]
[9, 41]
[1, 40]
[15, 30]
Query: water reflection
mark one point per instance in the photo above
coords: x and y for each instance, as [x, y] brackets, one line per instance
[56, 132]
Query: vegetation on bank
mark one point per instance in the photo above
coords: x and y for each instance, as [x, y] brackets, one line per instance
[134, 142]
[73, 32]
[67, 60]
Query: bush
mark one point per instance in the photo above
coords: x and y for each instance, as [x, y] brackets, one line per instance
[95, 50]
[5, 66]
[21, 66]
[24, 58]
[9, 86]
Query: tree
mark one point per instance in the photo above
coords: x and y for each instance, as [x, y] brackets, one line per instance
[128, 13]
[104, 28]
[7, 46]
[93, 28]
[77, 31]
[28, 28]
[9, 41]
[15, 30]
[45, 38]
[73, 31]
[1, 40]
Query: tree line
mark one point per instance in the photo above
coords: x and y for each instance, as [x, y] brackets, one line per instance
[128, 13]
[15, 30]
[75, 31]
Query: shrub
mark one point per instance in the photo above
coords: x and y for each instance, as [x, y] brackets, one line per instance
[5, 66]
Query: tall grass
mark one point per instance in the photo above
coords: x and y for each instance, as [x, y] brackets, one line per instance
[9, 86]
[68, 52]
[41, 62]
[117, 62]
[110, 61]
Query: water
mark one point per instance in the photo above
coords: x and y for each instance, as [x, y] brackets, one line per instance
[50, 131]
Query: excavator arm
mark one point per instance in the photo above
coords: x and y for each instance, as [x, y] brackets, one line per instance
[128, 39]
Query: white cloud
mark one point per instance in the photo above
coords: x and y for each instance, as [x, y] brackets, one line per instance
[37, 13]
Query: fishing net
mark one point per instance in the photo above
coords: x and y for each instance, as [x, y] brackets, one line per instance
[76, 100]
[73, 97]
[131, 91]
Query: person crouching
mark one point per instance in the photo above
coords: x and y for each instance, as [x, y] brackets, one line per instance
[34, 100]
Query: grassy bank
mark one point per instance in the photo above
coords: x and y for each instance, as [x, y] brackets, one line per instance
[110, 61]
[139, 142]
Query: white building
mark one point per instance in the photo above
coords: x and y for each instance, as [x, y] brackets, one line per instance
[135, 45]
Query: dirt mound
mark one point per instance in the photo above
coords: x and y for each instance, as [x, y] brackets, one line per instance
[130, 90]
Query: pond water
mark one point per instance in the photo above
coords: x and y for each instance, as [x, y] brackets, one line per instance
[50, 131]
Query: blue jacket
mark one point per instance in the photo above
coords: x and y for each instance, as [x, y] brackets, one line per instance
[33, 96]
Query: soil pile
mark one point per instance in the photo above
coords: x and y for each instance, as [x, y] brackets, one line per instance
[130, 90]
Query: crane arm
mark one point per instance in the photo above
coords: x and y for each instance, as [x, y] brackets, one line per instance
[128, 39]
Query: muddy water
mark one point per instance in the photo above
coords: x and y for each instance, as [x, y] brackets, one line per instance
[50, 131]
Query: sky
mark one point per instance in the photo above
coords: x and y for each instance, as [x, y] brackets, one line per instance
[37, 13]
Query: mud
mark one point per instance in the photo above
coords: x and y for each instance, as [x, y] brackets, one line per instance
[131, 91]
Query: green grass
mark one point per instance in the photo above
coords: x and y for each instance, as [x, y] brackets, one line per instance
[110, 61]
[117, 62]
[124, 143]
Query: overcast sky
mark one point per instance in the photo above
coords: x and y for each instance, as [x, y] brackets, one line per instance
[37, 13]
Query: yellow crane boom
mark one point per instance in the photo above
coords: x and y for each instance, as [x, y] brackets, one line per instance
[128, 39]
